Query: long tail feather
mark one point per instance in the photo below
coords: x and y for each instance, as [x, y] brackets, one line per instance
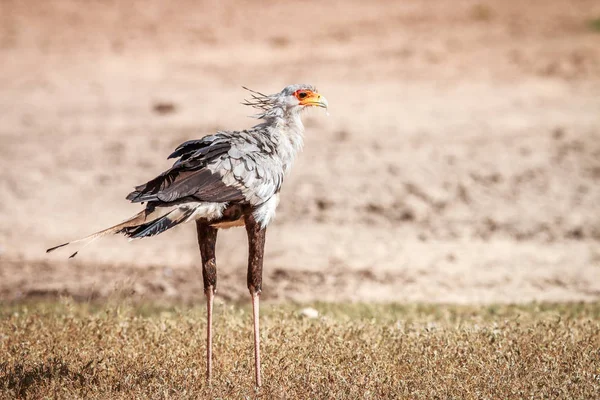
[137, 219]
[159, 225]
[148, 222]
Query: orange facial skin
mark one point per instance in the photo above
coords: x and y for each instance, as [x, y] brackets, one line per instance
[310, 98]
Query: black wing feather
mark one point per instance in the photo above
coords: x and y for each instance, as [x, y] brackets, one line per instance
[189, 179]
[188, 147]
[202, 184]
[191, 146]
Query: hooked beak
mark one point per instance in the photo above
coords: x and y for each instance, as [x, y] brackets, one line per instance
[315, 100]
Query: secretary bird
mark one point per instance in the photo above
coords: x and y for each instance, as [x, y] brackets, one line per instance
[228, 179]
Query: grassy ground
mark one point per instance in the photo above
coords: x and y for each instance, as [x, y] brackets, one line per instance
[68, 350]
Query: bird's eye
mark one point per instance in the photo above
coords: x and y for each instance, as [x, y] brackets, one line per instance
[302, 95]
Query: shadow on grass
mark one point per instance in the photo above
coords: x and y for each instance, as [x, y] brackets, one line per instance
[19, 378]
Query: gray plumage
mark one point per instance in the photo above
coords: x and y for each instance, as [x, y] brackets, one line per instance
[229, 169]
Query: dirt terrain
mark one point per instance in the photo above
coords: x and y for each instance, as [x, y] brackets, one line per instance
[460, 162]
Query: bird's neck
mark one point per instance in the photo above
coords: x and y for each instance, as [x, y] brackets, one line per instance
[286, 131]
[292, 128]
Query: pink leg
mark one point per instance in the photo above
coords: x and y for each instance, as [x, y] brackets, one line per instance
[255, 315]
[207, 239]
[256, 249]
[210, 295]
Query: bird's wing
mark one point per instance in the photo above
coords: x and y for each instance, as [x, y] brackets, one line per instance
[193, 177]
[252, 166]
[225, 167]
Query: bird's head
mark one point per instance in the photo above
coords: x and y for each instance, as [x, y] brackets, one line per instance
[302, 96]
[292, 99]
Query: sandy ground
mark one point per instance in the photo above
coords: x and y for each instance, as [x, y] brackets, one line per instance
[460, 162]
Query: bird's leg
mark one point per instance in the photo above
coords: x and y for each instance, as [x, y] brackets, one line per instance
[207, 239]
[256, 247]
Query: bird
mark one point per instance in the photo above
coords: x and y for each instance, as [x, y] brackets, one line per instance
[224, 180]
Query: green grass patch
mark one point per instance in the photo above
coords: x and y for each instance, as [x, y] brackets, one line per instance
[594, 24]
[71, 350]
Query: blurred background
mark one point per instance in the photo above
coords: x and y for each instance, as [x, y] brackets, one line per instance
[460, 162]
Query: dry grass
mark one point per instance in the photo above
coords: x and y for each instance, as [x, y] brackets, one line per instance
[69, 350]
